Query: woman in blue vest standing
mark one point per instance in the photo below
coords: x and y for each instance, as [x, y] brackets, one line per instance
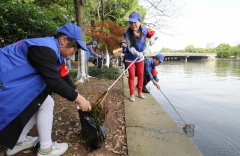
[30, 70]
[135, 37]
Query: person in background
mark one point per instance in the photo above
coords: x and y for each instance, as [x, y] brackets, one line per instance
[92, 50]
[30, 70]
[135, 37]
[104, 57]
[68, 63]
[123, 44]
[150, 72]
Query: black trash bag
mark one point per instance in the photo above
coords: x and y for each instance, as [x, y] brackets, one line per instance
[94, 133]
[99, 63]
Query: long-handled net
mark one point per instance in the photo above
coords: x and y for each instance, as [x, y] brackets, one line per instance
[188, 127]
[100, 101]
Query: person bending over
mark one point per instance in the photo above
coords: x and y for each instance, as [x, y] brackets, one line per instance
[30, 70]
[150, 73]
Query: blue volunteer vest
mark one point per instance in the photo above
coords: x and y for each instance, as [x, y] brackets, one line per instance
[152, 66]
[140, 43]
[21, 82]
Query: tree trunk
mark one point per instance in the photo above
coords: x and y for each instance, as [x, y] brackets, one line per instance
[107, 57]
[82, 73]
[102, 16]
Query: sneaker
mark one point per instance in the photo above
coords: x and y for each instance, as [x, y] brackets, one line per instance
[144, 90]
[132, 99]
[57, 149]
[141, 96]
[27, 143]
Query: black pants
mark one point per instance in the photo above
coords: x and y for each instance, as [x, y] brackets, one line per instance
[145, 80]
[95, 62]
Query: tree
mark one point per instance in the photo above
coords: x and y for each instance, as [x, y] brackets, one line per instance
[223, 50]
[189, 48]
[159, 12]
[109, 33]
[82, 73]
[33, 20]
[166, 50]
[112, 10]
[235, 51]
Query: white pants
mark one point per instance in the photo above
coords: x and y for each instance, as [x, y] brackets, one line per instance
[44, 120]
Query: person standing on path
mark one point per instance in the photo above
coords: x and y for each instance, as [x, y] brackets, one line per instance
[150, 72]
[135, 37]
[30, 70]
[92, 51]
[123, 44]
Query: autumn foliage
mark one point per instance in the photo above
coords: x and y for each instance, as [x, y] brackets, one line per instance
[108, 34]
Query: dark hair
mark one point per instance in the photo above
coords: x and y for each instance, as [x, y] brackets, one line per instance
[71, 41]
[156, 58]
[132, 37]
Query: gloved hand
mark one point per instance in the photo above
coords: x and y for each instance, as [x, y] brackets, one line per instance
[140, 55]
[152, 40]
[136, 53]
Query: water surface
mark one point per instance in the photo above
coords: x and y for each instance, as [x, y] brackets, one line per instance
[207, 94]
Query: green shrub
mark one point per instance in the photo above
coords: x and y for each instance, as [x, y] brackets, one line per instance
[104, 73]
[101, 73]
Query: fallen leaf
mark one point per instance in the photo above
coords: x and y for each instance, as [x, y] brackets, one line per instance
[27, 151]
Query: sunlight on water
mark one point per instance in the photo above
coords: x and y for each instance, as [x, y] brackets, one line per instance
[207, 94]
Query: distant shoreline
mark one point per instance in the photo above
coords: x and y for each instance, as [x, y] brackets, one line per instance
[227, 59]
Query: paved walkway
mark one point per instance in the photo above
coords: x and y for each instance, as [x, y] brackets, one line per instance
[151, 131]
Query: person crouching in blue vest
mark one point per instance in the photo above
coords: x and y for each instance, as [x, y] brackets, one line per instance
[30, 70]
[150, 73]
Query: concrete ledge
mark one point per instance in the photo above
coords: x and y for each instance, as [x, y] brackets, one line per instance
[150, 130]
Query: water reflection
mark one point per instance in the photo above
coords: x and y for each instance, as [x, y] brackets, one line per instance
[205, 93]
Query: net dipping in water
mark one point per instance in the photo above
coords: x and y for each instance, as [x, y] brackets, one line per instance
[188, 127]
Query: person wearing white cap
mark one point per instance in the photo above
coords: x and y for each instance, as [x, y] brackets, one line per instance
[135, 37]
[30, 70]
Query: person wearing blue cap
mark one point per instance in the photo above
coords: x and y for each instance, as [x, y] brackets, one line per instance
[135, 37]
[150, 73]
[92, 51]
[123, 44]
[30, 70]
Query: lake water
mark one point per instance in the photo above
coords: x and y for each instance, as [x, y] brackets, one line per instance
[207, 94]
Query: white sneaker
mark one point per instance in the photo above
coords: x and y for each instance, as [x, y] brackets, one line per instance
[57, 149]
[27, 143]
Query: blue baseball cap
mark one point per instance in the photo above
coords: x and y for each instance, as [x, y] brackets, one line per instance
[160, 57]
[123, 41]
[134, 17]
[95, 43]
[73, 31]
